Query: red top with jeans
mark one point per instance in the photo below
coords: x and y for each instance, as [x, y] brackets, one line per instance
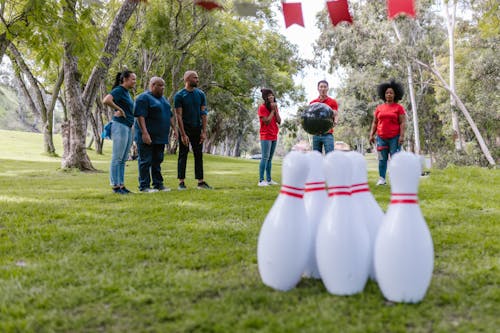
[269, 131]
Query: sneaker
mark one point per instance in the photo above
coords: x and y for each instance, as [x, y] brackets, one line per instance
[148, 190]
[162, 188]
[182, 186]
[204, 186]
[381, 181]
[125, 190]
[262, 183]
[272, 182]
[118, 190]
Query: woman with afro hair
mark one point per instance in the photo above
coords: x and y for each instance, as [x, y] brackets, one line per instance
[388, 124]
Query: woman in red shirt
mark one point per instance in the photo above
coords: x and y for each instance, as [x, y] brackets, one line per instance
[388, 123]
[269, 120]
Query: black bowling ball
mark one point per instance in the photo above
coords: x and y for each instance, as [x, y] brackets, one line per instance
[317, 118]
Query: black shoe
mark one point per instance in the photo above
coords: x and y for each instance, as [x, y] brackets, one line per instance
[162, 188]
[118, 190]
[125, 190]
[204, 186]
[182, 186]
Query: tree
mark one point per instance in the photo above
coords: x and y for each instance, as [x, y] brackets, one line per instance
[78, 102]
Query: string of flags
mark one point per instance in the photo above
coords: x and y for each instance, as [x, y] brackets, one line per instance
[338, 10]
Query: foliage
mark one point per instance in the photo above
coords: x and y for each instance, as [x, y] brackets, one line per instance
[368, 53]
[76, 258]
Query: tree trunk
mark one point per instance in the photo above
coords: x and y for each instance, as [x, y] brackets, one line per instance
[416, 132]
[110, 49]
[450, 25]
[4, 42]
[76, 156]
[78, 103]
[412, 95]
[465, 112]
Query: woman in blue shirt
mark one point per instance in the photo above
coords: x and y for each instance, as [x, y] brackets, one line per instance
[121, 131]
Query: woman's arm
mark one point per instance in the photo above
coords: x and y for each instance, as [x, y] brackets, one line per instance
[402, 128]
[109, 101]
[373, 130]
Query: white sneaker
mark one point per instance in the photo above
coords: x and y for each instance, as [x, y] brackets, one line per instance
[263, 183]
[272, 182]
[381, 181]
[148, 190]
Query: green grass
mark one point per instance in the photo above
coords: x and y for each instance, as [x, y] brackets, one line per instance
[76, 258]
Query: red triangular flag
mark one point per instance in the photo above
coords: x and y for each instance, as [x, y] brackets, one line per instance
[292, 11]
[396, 7]
[339, 11]
[208, 5]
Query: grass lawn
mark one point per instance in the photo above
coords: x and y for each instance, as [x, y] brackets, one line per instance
[76, 258]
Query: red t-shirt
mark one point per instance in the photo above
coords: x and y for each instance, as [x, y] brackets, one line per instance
[388, 119]
[270, 131]
[328, 101]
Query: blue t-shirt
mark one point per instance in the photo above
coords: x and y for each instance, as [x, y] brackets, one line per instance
[121, 97]
[157, 114]
[191, 103]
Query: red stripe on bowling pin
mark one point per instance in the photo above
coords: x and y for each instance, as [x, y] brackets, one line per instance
[315, 186]
[296, 192]
[358, 188]
[404, 198]
[339, 190]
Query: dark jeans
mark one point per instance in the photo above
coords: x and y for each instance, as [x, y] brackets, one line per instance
[386, 147]
[150, 159]
[193, 134]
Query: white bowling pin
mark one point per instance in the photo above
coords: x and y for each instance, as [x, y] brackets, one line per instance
[342, 242]
[404, 253]
[365, 206]
[315, 199]
[283, 245]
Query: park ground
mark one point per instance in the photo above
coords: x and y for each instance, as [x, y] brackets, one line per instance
[76, 258]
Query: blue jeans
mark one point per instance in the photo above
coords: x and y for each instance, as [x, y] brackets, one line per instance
[122, 139]
[386, 147]
[267, 150]
[323, 140]
[149, 161]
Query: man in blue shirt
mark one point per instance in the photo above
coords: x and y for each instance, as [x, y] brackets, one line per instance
[152, 129]
[191, 108]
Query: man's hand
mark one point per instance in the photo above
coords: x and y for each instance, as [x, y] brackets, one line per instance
[146, 138]
[372, 139]
[401, 140]
[119, 113]
[185, 139]
[203, 136]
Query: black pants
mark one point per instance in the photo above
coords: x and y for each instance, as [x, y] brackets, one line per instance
[193, 134]
[150, 159]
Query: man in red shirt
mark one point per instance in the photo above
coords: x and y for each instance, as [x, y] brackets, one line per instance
[325, 140]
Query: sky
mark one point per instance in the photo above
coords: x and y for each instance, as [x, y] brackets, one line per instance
[304, 38]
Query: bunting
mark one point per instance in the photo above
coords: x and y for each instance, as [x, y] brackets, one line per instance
[207, 4]
[292, 11]
[396, 7]
[339, 11]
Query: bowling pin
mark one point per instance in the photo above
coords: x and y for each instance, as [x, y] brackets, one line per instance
[366, 208]
[404, 253]
[315, 199]
[283, 244]
[342, 242]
